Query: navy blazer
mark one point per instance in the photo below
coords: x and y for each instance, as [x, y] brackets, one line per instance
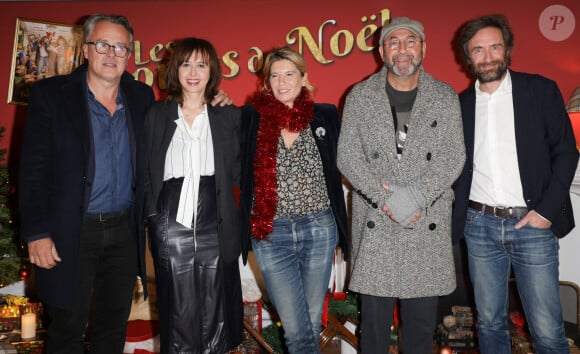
[546, 149]
[326, 117]
[225, 132]
[57, 169]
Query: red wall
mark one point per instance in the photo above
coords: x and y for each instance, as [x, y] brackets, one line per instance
[239, 26]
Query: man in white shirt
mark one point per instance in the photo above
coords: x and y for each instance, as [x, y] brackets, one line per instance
[512, 198]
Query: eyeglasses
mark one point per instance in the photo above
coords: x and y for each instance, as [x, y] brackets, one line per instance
[410, 43]
[103, 48]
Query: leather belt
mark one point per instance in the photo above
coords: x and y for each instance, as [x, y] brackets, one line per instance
[498, 211]
[107, 217]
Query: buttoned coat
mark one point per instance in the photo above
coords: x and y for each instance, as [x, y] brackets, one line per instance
[389, 259]
[57, 169]
[224, 124]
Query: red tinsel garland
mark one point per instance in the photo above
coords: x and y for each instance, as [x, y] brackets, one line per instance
[274, 116]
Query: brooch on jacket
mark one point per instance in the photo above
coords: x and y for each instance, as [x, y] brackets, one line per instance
[320, 132]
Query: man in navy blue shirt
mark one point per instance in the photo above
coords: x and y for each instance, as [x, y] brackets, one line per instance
[81, 190]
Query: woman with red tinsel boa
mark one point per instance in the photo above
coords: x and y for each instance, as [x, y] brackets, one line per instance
[292, 198]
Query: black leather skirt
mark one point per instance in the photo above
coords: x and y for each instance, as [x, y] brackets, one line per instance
[198, 296]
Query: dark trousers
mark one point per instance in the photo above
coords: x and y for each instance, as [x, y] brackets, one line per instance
[107, 274]
[418, 322]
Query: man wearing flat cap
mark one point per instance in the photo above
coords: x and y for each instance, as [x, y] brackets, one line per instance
[401, 147]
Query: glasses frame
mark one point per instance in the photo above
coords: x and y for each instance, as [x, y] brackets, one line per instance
[106, 48]
[390, 43]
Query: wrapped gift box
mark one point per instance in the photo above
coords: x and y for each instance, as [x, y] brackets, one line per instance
[9, 318]
[9, 311]
[29, 346]
[10, 315]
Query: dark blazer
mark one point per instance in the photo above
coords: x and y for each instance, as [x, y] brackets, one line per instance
[225, 132]
[546, 148]
[57, 169]
[326, 117]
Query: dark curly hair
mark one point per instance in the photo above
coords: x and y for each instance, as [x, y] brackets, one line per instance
[469, 29]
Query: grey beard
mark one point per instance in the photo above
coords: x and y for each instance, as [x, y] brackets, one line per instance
[411, 69]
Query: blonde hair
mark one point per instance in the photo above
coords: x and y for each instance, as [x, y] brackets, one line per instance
[284, 53]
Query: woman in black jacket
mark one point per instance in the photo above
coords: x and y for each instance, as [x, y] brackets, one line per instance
[293, 203]
[192, 191]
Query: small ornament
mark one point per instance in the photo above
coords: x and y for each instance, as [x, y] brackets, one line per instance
[320, 132]
[445, 350]
[24, 273]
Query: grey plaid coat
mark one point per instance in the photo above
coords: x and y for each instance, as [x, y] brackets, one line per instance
[387, 258]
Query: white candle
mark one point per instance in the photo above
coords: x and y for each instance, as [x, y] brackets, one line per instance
[28, 325]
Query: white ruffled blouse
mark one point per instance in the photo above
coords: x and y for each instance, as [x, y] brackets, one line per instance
[190, 155]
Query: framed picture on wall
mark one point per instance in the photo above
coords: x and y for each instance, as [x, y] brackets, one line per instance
[41, 49]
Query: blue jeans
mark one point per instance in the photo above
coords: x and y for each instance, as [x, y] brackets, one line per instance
[494, 248]
[296, 261]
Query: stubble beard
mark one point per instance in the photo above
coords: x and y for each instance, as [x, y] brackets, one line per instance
[490, 75]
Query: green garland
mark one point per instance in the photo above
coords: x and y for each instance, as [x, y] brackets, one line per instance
[10, 259]
[347, 307]
[273, 334]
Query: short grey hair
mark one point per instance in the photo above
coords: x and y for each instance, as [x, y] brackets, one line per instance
[92, 20]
